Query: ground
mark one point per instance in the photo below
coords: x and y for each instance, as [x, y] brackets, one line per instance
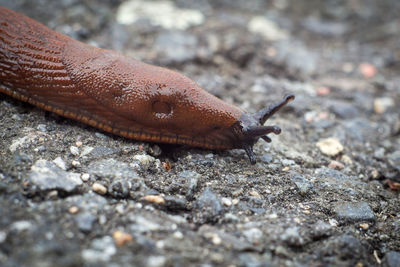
[325, 192]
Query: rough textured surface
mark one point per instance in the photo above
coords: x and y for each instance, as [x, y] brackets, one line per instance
[143, 204]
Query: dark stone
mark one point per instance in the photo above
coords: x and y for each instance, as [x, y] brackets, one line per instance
[353, 212]
[394, 159]
[325, 28]
[303, 185]
[208, 207]
[345, 249]
[266, 158]
[321, 229]
[391, 259]
[192, 182]
[85, 221]
[175, 203]
[344, 110]
[359, 129]
[47, 176]
[112, 169]
[292, 236]
[101, 151]
[120, 188]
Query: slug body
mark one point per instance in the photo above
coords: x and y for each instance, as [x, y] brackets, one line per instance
[117, 94]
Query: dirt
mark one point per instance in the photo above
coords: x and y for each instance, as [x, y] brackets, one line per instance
[325, 192]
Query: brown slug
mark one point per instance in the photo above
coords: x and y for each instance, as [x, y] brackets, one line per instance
[120, 95]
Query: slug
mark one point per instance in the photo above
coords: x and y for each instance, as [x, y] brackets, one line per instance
[120, 95]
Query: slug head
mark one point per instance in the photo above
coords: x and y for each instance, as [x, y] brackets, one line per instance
[250, 128]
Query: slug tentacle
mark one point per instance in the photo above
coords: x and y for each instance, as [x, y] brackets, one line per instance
[263, 115]
[250, 127]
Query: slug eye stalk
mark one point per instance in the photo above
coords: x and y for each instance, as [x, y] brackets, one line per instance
[252, 128]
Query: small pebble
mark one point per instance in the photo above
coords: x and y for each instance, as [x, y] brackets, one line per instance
[378, 260]
[53, 194]
[86, 150]
[73, 210]
[120, 188]
[99, 189]
[367, 70]
[347, 160]
[364, 226]
[74, 150]
[20, 226]
[226, 201]
[166, 165]
[120, 209]
[375, 174]
[85, 221]
[154, 199]
[303, 185]
[330, 146]
[253, 235]
[76, 163]
[382, 104]
[286, 169]
[42, 127]
[266, 158]
[237, 192]
[216, 239]
[178, 235]
[267, 28]
[78, 143]
[60, 163]
[336, 165]
[121, 238]
[254, 193]
[235, 201]
[333, 222]
[155, 150]
[156, 261]
[144, 159]
[85, 177]
[159, 13]
[288, 162]
[323, 91]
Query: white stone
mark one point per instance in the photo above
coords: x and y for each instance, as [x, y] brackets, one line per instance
[60, 163]
[267, 28]
[159, 13]
[330, 146]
